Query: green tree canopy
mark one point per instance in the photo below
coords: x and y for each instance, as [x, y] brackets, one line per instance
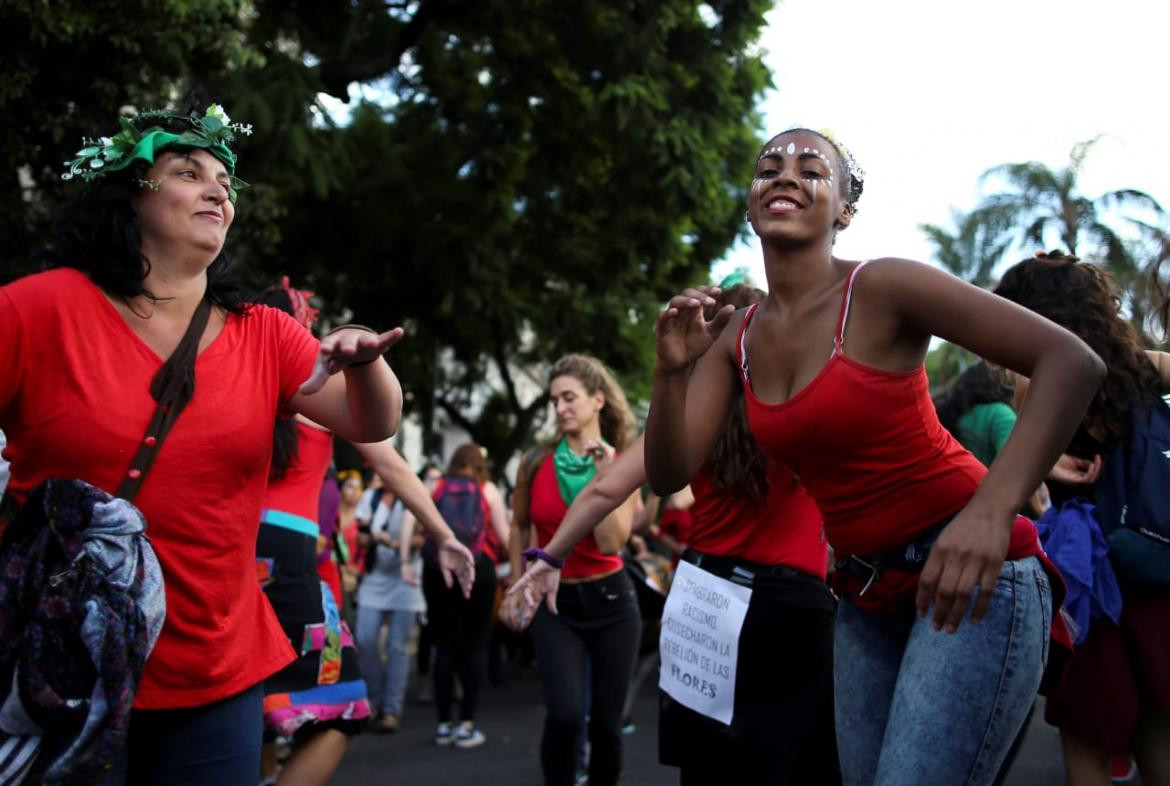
[527, 178]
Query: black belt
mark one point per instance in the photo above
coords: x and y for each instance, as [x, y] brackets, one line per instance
[739, 571]
[908, 558]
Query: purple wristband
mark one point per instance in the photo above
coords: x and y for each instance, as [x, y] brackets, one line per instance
[543, 556]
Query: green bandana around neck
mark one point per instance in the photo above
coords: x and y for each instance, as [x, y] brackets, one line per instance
[573, 472]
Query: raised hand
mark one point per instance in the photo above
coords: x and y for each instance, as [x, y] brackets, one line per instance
[348, 347]
[969, 552]
[682, 334]
[603, 453]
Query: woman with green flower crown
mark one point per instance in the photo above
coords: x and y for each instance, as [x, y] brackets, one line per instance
[138, 257]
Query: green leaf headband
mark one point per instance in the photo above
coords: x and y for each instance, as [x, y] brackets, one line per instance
[213, 132]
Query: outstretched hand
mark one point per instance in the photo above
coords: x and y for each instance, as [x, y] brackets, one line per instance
[347, 347]
[457, 563]
[969, 553]
[682, 333]
[540, 582]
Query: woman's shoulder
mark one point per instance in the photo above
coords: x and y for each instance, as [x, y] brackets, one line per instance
[50, 285]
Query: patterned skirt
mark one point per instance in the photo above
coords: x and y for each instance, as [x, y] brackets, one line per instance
[323, 688]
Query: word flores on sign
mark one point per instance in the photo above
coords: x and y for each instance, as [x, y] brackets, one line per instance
[699, 641]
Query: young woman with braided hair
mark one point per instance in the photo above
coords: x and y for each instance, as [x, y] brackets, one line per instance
[1115, 693]
[927, 539]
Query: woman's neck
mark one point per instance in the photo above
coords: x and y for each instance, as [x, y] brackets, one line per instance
[794, 272]
[578, 440]
[175, 285]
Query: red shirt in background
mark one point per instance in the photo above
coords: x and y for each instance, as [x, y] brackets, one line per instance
[546, 510]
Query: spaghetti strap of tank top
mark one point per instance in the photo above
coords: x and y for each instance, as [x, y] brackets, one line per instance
[846, 302]
[838, 339]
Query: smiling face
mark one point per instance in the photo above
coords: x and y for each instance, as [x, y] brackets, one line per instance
[577, 410]
[796, 191]
[189, 212]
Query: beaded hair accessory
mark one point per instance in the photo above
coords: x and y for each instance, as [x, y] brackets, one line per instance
[213, 132]
[856, 173]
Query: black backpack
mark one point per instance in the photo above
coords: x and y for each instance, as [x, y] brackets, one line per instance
[1131, 497]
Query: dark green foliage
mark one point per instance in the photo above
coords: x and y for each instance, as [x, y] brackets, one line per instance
[529, 178]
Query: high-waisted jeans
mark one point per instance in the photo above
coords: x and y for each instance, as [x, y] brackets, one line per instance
[920, 706]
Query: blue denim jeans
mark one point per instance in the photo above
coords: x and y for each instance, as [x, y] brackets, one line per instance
[386, 683]
[920, 706]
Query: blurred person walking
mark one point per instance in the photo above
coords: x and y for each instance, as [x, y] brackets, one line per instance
[459, 624]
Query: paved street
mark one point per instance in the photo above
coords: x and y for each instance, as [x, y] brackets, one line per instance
[512, 715]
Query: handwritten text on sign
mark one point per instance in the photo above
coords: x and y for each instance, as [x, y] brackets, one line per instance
[699, 643]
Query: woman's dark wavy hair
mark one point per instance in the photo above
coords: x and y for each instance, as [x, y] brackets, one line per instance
[98, 234]
[1085, 299]
[737, 464]
[977, 385]
[285, 443]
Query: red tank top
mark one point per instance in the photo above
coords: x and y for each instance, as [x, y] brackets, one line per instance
[546, 510]
[299, 490]
[867, 445]
[786, 530]
[676, 522]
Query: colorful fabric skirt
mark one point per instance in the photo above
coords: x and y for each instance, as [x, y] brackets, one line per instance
[323, 688]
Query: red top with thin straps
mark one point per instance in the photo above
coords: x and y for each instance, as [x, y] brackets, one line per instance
[546, 511]
[868, 446]
[785, 530]
[298, 491]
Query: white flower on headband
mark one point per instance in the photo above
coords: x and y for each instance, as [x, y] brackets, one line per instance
[216, 111]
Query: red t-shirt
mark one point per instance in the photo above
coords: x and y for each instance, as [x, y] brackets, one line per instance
[546, 510]
[786, 530]
[74, 403]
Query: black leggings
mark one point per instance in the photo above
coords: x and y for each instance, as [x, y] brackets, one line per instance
[459, 627]
[598, 624]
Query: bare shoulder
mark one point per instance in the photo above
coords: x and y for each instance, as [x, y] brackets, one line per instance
[726, 342]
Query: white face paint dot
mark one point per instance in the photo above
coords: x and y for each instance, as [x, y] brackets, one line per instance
[791, 148]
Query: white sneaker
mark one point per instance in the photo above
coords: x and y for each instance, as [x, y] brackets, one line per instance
[468, 736]
[444, 734]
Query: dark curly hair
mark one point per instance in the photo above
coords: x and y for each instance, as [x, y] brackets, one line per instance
[977, 385]
[98, 234]
[1085, 299]
[737, 464]
[285, 442]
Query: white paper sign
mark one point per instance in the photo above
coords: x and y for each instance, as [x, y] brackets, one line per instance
[699, 643]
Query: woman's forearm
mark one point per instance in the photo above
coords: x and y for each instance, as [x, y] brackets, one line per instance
[399, 478]
[1060, 389]
[666, 455]
[374, 399]
[601, 504]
